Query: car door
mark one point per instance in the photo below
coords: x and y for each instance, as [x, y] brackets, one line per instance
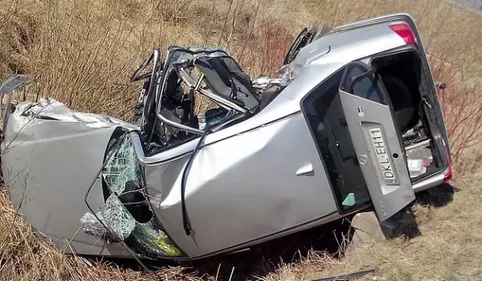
[248, 187]
[376, 139]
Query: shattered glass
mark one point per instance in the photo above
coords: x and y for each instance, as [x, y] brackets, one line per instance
[93, 227]
[121, 168]
[126, 212]
[117, 218]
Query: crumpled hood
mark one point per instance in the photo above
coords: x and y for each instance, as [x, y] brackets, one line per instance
[52, 109]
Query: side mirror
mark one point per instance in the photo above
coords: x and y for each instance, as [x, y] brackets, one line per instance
[12, 84]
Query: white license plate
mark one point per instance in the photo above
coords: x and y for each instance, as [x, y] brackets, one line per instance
[383, 157]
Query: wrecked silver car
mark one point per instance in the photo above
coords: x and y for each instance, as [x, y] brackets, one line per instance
[352, 120]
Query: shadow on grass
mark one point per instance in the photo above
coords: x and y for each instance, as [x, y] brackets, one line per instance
[267, 257]
[259, 260]
[405, 223]
[402, 224]
[438, 196]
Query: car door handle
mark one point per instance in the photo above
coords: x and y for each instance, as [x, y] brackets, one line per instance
[306, 170]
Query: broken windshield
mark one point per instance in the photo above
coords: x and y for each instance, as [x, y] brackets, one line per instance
[127, 215]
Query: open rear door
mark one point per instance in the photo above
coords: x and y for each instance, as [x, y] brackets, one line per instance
[377, 143]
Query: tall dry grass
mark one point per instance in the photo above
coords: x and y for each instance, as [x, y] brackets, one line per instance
[83, 53]
[23, 256]
[462, 111]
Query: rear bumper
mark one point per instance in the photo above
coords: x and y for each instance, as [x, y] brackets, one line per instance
[430, 182]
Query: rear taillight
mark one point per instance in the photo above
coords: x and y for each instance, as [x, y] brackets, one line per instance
[403, 30]
[448, 175]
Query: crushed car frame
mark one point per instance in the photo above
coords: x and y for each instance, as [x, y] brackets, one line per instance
[352, 120]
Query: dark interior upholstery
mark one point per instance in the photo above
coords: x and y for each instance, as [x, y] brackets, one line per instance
[177, 106]
[222, 75]
[404, 103]
[401, 75]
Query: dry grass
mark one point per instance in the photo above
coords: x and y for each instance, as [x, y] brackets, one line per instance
[462, 111]
[25, 257]
[85, 51]
[448, 249]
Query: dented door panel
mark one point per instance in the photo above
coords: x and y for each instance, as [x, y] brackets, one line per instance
[242, 189]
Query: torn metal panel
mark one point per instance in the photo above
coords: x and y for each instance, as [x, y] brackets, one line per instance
[51, 109]
[11, 85]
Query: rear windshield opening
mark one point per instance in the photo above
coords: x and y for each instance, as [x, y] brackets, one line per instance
[401, 75]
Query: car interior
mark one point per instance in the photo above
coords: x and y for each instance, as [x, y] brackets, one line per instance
[185, 75]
